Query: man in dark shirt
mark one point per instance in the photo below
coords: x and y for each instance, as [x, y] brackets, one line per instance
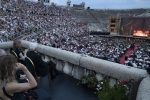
[42, 68]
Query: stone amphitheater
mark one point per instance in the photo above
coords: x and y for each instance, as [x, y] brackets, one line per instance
[80, 64]
[99, 19]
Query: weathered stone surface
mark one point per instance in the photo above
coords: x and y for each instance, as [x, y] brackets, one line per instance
[112, 82]
[144, 90]
[6, 45]
[67, 68]
[25, 44]
[56, 53]
[59, 65]
[114, 70]
[77, 72]
[99, 77]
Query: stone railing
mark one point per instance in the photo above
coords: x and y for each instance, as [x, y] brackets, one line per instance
[77, 65]
[144, 90]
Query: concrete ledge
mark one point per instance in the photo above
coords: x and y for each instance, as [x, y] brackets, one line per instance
[6, 45]
[56, 53]
[144, 90]
[114, 70]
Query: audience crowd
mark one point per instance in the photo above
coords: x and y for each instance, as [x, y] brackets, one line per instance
[54, 26]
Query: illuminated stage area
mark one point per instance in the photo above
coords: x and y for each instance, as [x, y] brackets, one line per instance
[141, 33]
[136, 26]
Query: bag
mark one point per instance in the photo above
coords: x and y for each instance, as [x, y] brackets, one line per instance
[18, 96]
[30, 95]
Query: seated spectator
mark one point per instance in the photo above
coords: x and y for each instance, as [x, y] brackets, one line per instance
[132, 46]
[42, 67]
[19, 52]
[134, 64]
[8, 66]
[116, 61]
[129, 64]
[126, 60]
[148, 68]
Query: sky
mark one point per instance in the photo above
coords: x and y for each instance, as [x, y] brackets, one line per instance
[108, 4]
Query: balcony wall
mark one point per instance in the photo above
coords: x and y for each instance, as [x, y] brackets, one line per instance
[77, 65]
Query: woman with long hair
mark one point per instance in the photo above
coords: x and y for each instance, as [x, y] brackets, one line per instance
[8, 84]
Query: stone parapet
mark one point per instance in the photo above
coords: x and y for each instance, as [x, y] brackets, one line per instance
[6, 45]
[112, 69]
[144, 90]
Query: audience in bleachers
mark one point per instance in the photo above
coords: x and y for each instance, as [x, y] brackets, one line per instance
[53, 26]
[140, 58]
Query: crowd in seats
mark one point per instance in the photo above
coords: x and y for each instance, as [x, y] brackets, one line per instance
[29, 17]
[3, 39]
[56, 27]
[15, 20]
[140, 58]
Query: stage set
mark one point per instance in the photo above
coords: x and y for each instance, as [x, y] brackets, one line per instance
[130, 27]
[135, 26]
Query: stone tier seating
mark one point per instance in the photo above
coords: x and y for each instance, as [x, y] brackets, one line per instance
[103, 15]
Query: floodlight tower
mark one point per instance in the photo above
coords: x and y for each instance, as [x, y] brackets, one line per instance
[83, 4]
[0, 4]
[68, 4]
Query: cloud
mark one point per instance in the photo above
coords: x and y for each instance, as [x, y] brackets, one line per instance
[59, 1]
[55, 1]
[137, 0]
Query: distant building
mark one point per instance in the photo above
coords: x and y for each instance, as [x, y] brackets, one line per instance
[44, 1]
[0, 4]
[79, 6]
